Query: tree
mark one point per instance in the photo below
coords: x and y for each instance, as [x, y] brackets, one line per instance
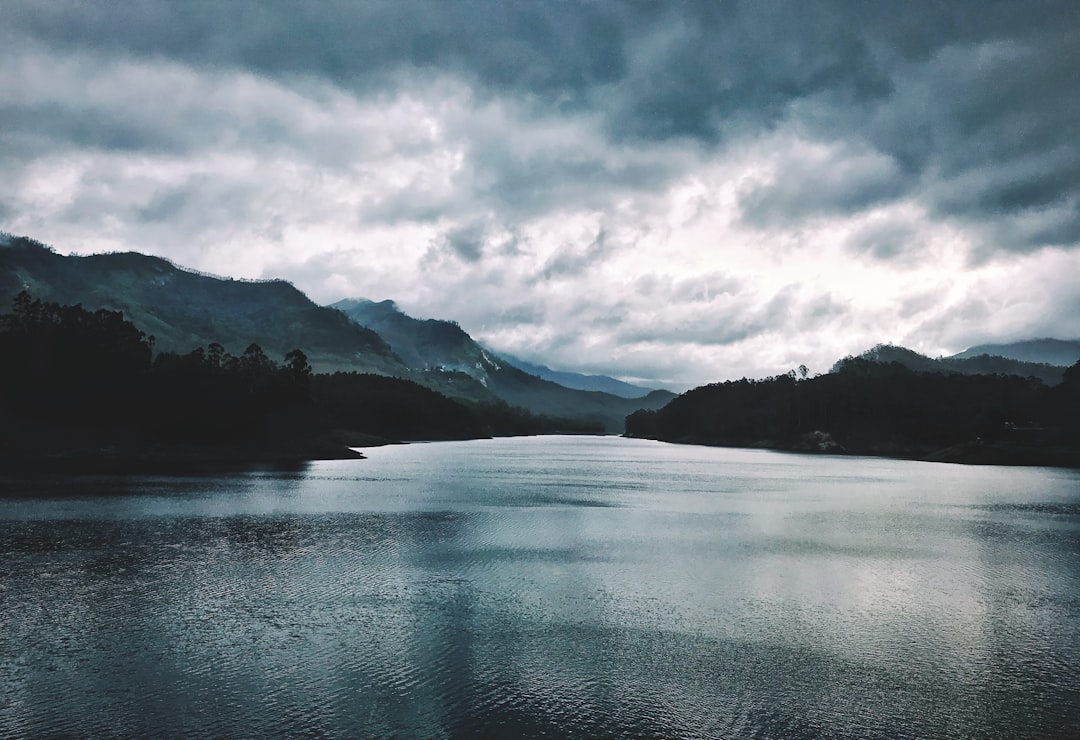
[296, 362]
[214, 354]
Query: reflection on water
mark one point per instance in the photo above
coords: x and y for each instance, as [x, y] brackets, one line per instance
[547, 587]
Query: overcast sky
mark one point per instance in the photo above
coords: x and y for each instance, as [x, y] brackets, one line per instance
[674, 193]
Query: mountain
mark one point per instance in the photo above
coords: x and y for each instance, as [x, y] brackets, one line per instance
[1061, 352]
[431, 344]
[454, 363]
[580, 382]
[981, 364]
[424, 344]
[183, 309]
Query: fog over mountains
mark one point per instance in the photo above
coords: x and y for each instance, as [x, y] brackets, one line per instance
[431, 344]
[444, 353]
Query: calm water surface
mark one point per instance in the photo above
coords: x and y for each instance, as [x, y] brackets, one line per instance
[545, 587]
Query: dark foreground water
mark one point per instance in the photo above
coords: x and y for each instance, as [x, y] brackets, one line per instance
[555, 587]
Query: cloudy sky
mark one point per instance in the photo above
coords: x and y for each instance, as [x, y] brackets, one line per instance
[674, 193]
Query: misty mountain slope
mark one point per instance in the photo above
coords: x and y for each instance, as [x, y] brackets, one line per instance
[579, 381]
[519, 388]
[1061, 352]
[977, 365]
[443, 352]
[424, 344]
[184, 309]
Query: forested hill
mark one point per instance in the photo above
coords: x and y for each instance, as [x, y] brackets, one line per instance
[882, 408]
[183, 309]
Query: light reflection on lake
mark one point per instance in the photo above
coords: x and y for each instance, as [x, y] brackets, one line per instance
[555, 587]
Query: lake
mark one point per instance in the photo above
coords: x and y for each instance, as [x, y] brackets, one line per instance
[544, 587]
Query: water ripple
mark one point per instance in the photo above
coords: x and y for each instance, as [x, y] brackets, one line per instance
[585, 589]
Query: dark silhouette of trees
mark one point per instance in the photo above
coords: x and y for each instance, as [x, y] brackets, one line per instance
[65, 365]
[392, 408]
[70, 378]
[865, 406]
[1064, 404]
[69, 375]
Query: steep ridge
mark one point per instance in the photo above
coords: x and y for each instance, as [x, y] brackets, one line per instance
[975, 365]
[1061, 352]
[183, 309]
[424, 344]
[448, 358]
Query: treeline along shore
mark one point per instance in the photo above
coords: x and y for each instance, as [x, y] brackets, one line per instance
[87, 386]
[874, 408]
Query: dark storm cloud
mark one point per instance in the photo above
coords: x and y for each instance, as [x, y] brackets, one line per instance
[572, 260]
[466, 242]
[554, 46]
[838, 184]
[39, 128]
[889, 240]
[708, 69]
[943, 91]
[166, 205]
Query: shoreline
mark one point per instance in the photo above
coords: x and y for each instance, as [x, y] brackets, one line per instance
[194, 458]
[172, 457]
[964, 453]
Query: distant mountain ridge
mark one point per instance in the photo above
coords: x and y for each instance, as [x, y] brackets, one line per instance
[876, 404]
[981, 364]
[1062, 352]
[603, 383]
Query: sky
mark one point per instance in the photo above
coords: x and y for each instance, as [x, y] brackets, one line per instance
[672, 193]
